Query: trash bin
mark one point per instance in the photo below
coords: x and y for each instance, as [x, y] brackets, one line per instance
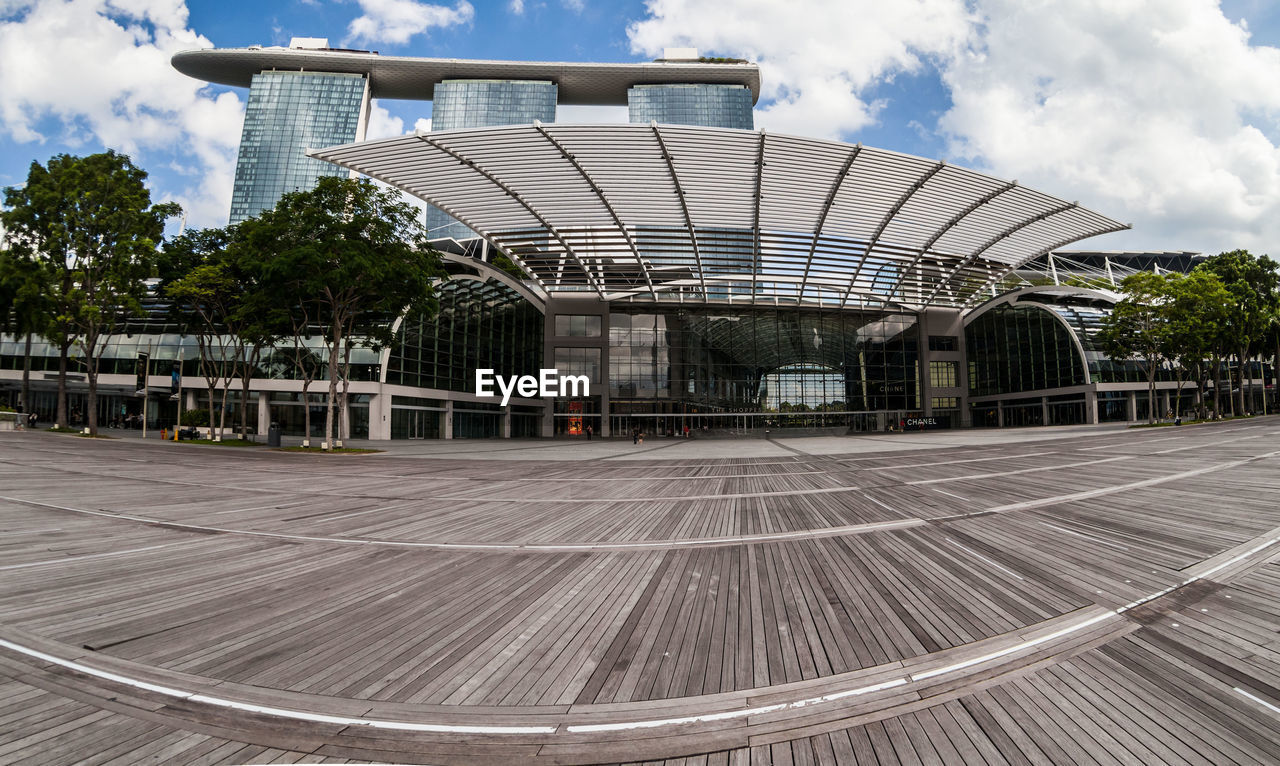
[273, 435]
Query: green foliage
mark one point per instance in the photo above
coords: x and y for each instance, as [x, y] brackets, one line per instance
[503, 263]
[1137, 326]
[349, 257]
[353, 250]
[90, 224]
[198, 418]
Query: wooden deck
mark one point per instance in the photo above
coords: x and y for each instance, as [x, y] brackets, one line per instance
[1108, 598]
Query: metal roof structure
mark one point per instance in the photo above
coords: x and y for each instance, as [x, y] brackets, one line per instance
[677, 213]
[407, 77]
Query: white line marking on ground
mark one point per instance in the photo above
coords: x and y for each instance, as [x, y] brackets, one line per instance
[1015, 648]
[299, 715]
[984, 558]
[1087, 537]
[641, 724]
[877, 502]
[977, 476]
[1258, 700]
[66, 559]
[954, 462]
[950, 494]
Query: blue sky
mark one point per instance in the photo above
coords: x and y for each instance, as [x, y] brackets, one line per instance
[1159, 112]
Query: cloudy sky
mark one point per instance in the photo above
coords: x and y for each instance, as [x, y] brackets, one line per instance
[1162, 113]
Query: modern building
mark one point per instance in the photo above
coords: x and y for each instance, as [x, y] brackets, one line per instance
[311, 96]
[700, 273]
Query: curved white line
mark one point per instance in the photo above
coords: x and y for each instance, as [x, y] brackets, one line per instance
[626, 725]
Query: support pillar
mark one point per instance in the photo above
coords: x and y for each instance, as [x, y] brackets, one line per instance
[506, 422]
[1044, 410]
[446, 423]
[264, 412]
[1091, 407]
[1131, 406]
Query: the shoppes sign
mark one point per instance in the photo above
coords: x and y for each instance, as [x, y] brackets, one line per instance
[547, 383]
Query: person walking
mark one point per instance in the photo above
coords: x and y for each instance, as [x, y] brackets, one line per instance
[635, 434]
[588, 432]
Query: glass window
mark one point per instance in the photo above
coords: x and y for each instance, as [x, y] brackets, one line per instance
[944, 374]
[943, 343]
[578, 325]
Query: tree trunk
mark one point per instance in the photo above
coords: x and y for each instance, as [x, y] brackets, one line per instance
[344, 419]
[306, 413]
[1151, 394]
[60, 420]
[26, 377]
[92, 404]
[211, 392]
[335, 342]
[1240, 362]
[250, 364]
[222, 415]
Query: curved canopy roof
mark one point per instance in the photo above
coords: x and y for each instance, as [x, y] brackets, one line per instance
[409, 77]
[678, 213]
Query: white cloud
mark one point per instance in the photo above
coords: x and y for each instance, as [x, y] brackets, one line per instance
[816, 56]
[382, 124]
[1158, 112]
[97, 72]
[422, 125]
[1155, 112]
[516, 7]
[396, 21]
[577, 6]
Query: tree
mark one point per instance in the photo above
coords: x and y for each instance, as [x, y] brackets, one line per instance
[91, 221]
[24, 305]
[1195, 312]
[1253, 283]
[1137, 328]
[353, 256]
[212, 283]
[203, 298]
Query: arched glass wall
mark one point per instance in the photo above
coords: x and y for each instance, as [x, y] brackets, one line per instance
[755, 368]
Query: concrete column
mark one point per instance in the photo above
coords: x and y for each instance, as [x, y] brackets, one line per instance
[1044, 410]
[1164, 403]
[999, 414]
[506, 423]
[1091, 407]
[264, 412]
[1132, 405]
[446, 423]
[380, 417]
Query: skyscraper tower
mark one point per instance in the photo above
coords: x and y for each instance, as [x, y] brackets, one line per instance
[484, 104]
[310, 96]
[288, 113]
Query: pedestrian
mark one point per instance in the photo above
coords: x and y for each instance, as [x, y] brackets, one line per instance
[635, 434]
[588, 432]
[31, 419]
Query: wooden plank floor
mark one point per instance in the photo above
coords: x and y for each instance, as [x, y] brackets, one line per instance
[1109, 598]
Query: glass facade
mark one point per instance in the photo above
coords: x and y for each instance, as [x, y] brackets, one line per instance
[480, 325]
[287, 114]
[1020, 348]
[481, 104]
[712, 106]
[462, 104]
[774, 365]
[578, 325]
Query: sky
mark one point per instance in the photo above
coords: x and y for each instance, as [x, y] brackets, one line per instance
[1160, 113]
